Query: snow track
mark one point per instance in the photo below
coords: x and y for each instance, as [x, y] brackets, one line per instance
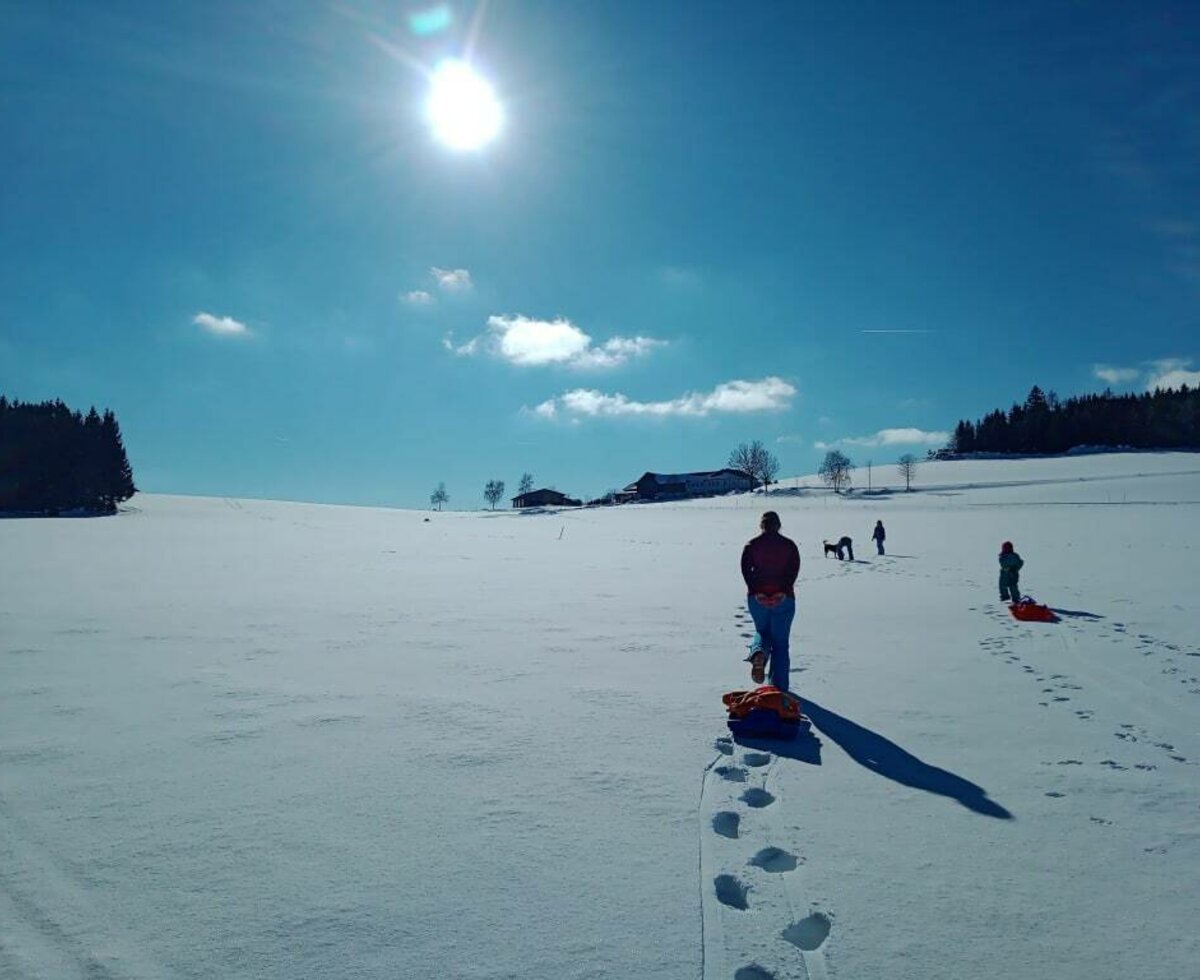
[52, 924]
[751, 891]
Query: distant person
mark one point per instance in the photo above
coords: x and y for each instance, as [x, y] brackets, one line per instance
[845, 547]
[878, 535]
[1010, 572]
[770, 567]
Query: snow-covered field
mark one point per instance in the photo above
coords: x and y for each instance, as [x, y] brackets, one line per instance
[246, 739]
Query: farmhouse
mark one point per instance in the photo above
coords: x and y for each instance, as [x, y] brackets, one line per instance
[544, 498]
[677, 486]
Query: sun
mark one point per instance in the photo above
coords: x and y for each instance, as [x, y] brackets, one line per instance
[462, 108]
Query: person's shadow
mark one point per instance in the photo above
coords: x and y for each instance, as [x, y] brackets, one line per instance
[885, 757]
[805, 747]
[1075, 613]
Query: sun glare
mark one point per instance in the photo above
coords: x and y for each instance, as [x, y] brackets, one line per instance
[462, 107]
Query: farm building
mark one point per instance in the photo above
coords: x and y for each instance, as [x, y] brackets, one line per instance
[676, 486]
[544, 498]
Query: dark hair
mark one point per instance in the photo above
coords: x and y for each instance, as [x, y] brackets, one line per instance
[770, 519]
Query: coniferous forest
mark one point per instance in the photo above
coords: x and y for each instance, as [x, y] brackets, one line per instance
[56, 461]
[1162, 419]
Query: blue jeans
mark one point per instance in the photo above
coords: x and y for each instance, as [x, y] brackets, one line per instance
[774, 623]
[879, 544]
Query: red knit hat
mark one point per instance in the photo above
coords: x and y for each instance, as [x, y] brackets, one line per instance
[1006, 547]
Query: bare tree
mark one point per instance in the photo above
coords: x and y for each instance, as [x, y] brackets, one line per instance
[439, 496]
[493, 491]
[526, 484]
[754, 458]
[907, 465]
[743, 458]
[768, 467]
[835, 470]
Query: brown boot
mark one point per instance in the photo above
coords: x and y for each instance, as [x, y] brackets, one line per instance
[758, 667]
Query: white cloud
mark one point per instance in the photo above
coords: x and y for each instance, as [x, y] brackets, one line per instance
[789, 439]
[527, 342]
[462, 350]
[616, 351]
[680, 277]
[1175, 228]
[890, 437]
[1115, 375]
[733, 397]
[1172, 372]
[418, 297]
[222, 326]
[452, 280]
[523, 340]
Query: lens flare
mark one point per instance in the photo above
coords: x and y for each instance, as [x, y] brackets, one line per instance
[431, 21]
[462, 108]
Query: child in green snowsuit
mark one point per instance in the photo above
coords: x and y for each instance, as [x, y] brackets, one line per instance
[1010, 572]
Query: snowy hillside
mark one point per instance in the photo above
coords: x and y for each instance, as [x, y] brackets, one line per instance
[255, 739]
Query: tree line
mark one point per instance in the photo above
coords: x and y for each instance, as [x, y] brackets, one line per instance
[493, 491]
[837, 470]
[54, 460]
[1162, 419]
[752, 458]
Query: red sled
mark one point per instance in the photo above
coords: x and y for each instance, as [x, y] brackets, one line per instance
[765, 712]
[1032, 612]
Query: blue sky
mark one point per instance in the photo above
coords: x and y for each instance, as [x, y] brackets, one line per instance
[701, 223]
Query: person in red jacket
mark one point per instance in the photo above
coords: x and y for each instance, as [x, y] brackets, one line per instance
[770, 567]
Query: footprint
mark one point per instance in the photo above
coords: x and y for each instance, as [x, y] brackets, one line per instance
[1112, 764]
[724, 745]
[775, 860]
[1056, 795]
[757, 798]
[809, 933]
[757, 759]
[730, 892]
[731, 773]
[726, 823]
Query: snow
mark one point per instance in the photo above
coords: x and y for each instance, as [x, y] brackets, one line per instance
[258, 739]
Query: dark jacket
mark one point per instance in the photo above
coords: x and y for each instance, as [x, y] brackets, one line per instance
[878, 534]
[1010, 568]
[771, 564]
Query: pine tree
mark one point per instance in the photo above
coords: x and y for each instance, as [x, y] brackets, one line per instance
[117, 473]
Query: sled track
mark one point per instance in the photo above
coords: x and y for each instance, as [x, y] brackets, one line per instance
[52, 921]
[750, 919]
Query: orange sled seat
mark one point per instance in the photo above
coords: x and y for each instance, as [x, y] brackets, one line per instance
[765, 712]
